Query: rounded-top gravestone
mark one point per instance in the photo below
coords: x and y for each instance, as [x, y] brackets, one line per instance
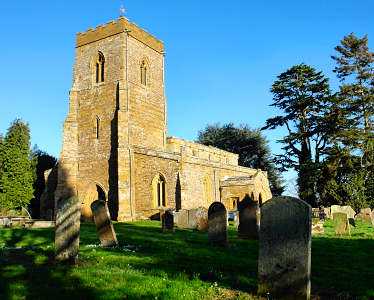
[285, 249]
[100, 212]
[217, 224]
[249, 218]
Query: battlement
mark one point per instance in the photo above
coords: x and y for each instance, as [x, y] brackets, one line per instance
[200, 151]
[112, 28]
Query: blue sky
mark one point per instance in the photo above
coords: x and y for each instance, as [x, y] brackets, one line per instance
[222, 56]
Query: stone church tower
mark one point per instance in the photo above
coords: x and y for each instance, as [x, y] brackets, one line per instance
[115, 144]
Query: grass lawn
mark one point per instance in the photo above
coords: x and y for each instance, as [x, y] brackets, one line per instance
[151, 265]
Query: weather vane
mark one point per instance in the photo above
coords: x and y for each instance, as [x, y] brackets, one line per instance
[122, 11]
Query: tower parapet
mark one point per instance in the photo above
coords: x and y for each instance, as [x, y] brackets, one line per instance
[113, 28]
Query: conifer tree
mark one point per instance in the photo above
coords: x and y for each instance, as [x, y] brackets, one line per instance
[16, 182]
[355, 69]
[304, 97]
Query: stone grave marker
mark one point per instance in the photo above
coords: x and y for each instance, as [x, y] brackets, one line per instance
[217, 224]
[104, 226]
[181, 218]
[364, 215]
[201, 219]
[341, 223]
[67, 229]
[343, 209]
[285, 249]
[168, 221]
[249, 218]
[317, 227]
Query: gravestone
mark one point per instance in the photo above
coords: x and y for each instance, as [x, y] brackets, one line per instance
[67, 229]
[236, 219]
[192, 218]
[328, 212]
[168, 221]
[341, 223]
[317, 227]
[364, 215]
[217, 224]
[249, 218]
[181, 218]
[285, 249]
[201, 215]
[343, 209]
[104, 226]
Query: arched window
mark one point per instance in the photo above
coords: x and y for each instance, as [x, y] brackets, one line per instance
[144, 72]
[159, 191]
[99, 64]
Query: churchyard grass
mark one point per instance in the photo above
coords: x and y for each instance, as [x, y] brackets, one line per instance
[149, 264]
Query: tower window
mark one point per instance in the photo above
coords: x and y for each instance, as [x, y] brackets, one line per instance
[100, 62]
[144, 72]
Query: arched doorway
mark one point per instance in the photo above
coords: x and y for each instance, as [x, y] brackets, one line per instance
[94, 192]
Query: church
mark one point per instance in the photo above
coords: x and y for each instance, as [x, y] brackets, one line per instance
[115, 143]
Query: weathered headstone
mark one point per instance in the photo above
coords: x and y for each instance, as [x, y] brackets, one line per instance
[217, 224]
[201, 216]
[249, 218]
[364, 215]
[236, 219]
[285, 249]
[192, 220]
[328, 212]
[317, 227]
[104, 226]
[181, 218]
[341, 223]
[168, 221]
[343, 209]
[67, 229]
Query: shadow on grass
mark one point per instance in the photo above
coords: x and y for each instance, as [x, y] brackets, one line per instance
[184, 259]
[185, 254]
[27, 270]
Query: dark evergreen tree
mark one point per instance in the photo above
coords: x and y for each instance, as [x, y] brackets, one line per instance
[304, 97]
[16, 182]
[355, 69]
[251, 146]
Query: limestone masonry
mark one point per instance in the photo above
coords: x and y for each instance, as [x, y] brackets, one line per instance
[115, 143]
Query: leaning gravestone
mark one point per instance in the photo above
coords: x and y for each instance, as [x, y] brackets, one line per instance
[67, 229]
[168, 221]
[103, 223]
[285, 249]
[217, 224]
[341, 223]
[249, 223]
